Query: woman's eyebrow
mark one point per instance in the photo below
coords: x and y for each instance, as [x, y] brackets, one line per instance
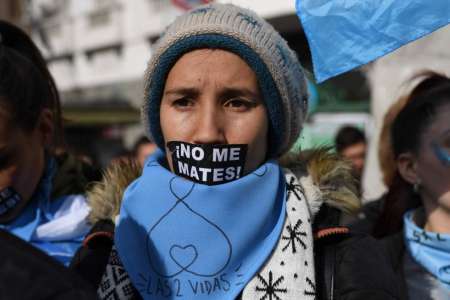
[235, 92]
[185, 91]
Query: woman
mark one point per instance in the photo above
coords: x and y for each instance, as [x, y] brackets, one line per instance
[213, 214]
[31, 204]
[415, 221]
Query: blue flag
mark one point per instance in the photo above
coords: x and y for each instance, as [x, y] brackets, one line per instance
[344, 34]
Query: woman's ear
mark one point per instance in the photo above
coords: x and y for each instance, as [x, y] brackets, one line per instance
[46, 126]
[407, 167]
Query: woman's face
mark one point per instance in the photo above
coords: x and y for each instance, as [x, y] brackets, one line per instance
[433, 170]
[212, 97]
[21, 160]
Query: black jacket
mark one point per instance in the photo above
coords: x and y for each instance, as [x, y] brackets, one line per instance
[394, 246]
[28, 273]
[368, 217]
[352, 265]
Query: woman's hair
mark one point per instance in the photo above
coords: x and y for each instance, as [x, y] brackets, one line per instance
[348, 136]
[385, 154]
[418, 112]
[26, 86]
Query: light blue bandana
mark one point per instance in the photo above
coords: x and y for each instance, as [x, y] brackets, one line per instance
[431, 250]
[58, 226]
[183, 240]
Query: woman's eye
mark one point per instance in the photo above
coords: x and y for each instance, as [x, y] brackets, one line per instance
[182, 102]
[240, 104]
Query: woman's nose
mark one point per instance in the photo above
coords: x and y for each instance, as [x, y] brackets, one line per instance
[209, 127]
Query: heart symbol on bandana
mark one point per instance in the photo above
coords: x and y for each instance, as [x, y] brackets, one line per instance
[177, 253]
[183, 256]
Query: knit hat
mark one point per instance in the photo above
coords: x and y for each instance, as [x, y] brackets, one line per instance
[229, 27]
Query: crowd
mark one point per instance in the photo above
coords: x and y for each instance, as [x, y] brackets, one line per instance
[215, 206]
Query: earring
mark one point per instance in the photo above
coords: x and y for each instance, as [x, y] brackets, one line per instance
[416, 187]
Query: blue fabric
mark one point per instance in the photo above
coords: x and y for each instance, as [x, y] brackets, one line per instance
[442, 154]
[61, 251]
[344, 34]
[272, 98]
[429, 249]
[181, 240]
[41, 210]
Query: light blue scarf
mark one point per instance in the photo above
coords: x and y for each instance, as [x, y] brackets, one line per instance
[182, 240]
[429, 249]
[58, 226]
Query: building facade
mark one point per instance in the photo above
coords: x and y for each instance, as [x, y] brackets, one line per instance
[97, 52]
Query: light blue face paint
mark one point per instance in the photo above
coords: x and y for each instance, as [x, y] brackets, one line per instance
[442, 154]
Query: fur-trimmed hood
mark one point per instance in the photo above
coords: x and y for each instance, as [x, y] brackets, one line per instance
[326, 178]
[330, 176]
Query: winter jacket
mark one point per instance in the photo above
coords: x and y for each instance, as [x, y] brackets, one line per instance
[28, 273]
[338, 259]
[394, 247]
[368, 217]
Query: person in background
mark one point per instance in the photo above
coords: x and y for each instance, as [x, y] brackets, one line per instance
[414, 223]
[39, 226]
[351, 145]
[41, 197]
[142, 149]
[216, 212]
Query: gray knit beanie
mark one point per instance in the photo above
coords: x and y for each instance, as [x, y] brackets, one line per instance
[228, 27]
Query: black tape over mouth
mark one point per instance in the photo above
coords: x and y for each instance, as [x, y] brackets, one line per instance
[9, 199]
[209, 164]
